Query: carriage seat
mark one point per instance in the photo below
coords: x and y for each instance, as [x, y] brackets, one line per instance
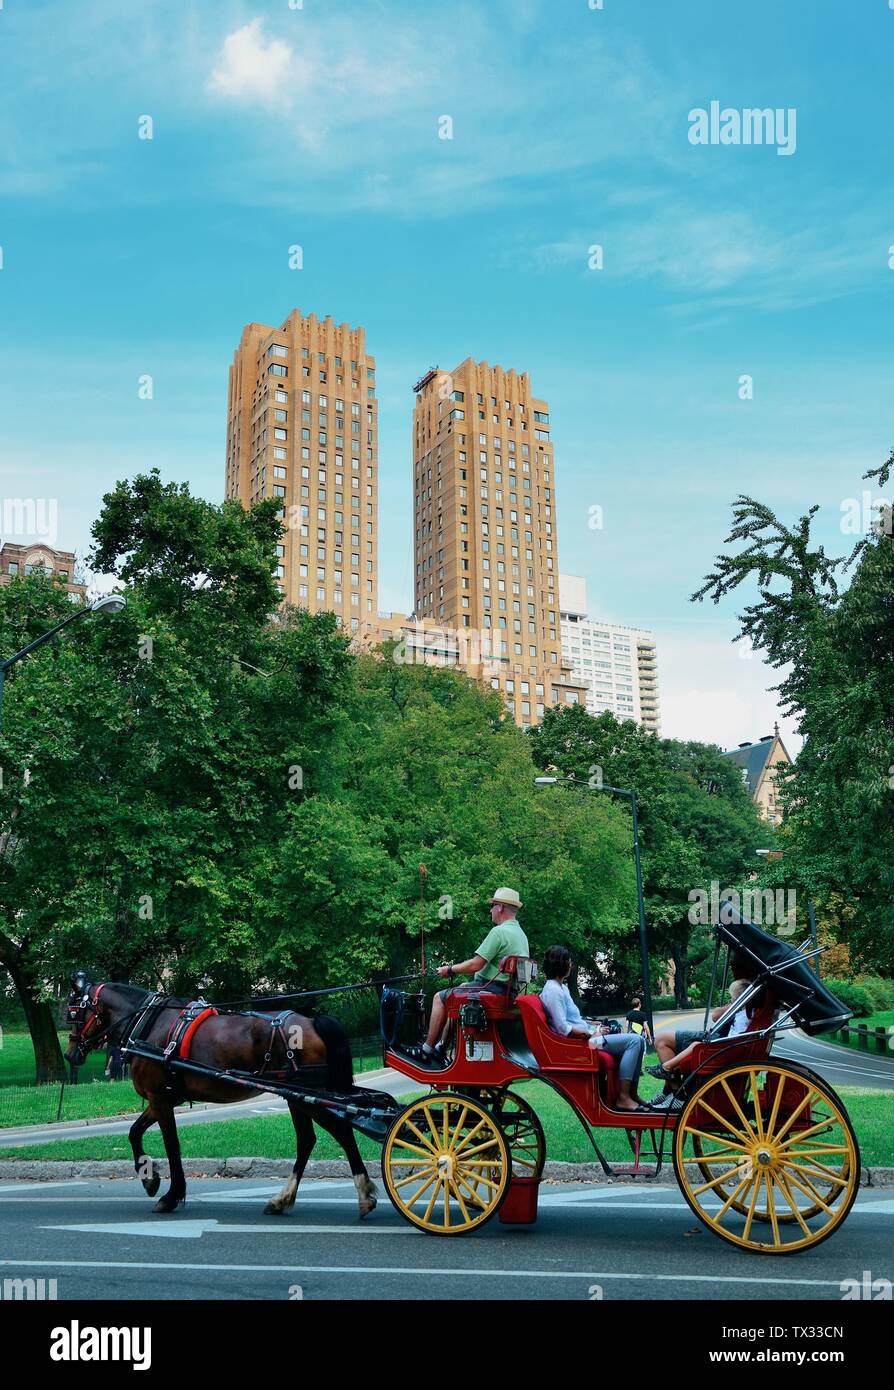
[723, 1052]
[551, 1049]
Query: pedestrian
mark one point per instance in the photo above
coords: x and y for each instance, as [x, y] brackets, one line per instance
[637, 1021]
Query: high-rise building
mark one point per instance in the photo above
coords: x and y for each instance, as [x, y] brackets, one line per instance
[618, 665]
[486, 550]
[302, 426]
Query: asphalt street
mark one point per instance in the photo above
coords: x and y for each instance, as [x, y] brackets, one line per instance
[100, 1240]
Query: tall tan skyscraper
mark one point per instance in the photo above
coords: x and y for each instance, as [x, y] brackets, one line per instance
[302, 426]
[486, 552]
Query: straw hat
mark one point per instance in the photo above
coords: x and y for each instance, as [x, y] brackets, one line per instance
[508, 897]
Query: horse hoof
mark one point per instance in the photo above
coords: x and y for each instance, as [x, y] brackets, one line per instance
[272, 1209]
[167, 1204]
[152, 1185]
[366, 1207]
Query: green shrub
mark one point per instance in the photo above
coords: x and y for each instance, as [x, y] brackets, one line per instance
[852, 995]
[879, 990]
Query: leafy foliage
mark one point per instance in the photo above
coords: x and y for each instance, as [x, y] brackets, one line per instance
[833, 646]
[697, 822]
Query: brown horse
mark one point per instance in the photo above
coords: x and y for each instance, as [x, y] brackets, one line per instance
[107, 1012]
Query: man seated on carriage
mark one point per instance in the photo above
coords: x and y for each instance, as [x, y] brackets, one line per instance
[505, 938]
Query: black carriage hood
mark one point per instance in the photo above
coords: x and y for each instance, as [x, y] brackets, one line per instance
[791, 977]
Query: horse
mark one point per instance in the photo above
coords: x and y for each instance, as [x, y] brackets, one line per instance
[108, 1012]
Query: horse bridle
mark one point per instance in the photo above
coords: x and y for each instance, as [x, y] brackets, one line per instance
[86, 1036]
[86, 1032]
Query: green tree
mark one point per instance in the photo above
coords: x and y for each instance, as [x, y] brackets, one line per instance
[429, 773]
[831, 643]
[697, 823]
[165, 749]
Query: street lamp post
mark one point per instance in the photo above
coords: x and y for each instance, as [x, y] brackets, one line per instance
[109, 603]
[630, 795]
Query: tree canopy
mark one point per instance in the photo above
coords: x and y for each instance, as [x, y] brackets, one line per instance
[831, 642]
[218, 789]
[698, 825]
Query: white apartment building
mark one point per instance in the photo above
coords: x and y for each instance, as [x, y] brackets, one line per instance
[617, 665]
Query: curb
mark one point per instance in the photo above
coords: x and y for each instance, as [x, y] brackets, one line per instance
[48, 1170]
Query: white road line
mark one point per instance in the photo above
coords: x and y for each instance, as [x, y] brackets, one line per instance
[194, 1230]
[809, 1058]
[30, 1186]
[423, 1271]
[883, 1207]
[599, 1194]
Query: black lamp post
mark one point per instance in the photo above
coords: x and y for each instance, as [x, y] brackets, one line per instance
[109, 603]
[643, 942]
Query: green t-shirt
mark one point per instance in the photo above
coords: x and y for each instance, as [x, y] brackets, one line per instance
[507, 939]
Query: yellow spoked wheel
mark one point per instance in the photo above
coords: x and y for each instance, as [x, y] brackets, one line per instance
[446, 1164]
[524, 1134]
[766, 1157]
[521, 1125]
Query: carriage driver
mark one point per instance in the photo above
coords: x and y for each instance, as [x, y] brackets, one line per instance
[505, 938]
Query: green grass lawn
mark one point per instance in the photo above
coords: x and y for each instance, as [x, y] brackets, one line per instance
[93, 1097]
[17, 1060]
[871, 1112]
[885, 1019]
[40, 1105]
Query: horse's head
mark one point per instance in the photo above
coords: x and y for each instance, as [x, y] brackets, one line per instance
[88, 1016]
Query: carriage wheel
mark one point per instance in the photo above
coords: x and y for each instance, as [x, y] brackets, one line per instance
[750, 1156]
[521, 1125]
[761, 1211]
[446, 1164]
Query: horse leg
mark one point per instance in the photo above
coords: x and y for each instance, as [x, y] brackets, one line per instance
[306, 1137]
[146, 1167]
[343, 1134]
[167, 1122]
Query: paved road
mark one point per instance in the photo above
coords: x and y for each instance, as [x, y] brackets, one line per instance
[99, 1239]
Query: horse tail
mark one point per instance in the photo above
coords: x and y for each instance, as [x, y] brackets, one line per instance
[338, 1052]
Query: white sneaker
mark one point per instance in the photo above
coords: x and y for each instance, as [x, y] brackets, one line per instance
[669, 1102]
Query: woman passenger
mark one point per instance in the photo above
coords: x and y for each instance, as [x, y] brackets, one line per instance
[565, 1018]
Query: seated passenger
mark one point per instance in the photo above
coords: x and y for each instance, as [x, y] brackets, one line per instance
[565, 1017]
[505, 938]
[676, 1047]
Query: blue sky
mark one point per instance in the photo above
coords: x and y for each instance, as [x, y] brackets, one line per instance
[319, 126]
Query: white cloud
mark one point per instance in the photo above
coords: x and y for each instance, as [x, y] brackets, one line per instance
[252, 69]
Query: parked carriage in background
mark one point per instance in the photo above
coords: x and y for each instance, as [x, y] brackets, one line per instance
[762, 1148]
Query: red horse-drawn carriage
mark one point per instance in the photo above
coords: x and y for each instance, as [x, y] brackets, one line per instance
[762, 1149]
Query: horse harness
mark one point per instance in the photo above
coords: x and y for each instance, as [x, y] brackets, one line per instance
[181, 1034]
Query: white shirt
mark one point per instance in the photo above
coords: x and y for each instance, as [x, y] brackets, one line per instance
[560, 1008]
[740, 1024]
